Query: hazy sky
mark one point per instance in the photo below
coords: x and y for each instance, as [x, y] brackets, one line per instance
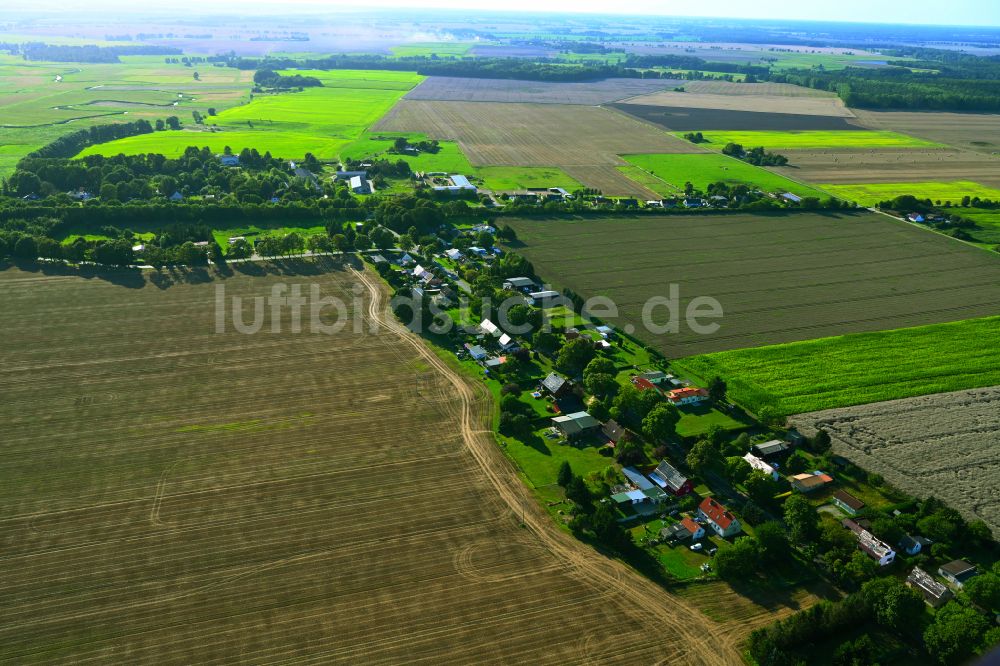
[951, 12]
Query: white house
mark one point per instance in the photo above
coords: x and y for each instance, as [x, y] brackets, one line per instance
[761, 466]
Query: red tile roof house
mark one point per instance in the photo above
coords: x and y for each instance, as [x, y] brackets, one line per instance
[696, 530]
[687, 396]
[724, 523]
[643, 384]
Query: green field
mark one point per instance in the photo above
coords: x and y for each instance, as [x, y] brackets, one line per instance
[987, 221]
[857, 369]
[38, 108]
[321, 121]
[869, 194]
[815, 139]
[432, 48]
[702, 170]
[519, 178]
[375, 146]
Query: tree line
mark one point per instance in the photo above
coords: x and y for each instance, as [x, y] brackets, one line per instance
[87, 53]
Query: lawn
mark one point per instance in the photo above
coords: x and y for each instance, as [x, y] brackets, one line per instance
[869, 194]
[857, 369]
[703, 169]
[449, 157]
[320, 120]
[649, 181]
[504, 178]
[697, 420]
[540, 459]
[815, 139]
[987, 221]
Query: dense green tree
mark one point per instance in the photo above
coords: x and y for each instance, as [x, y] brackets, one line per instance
[565, 474]
[575, 354]
[737, 562]
[983, 590]
[955, 634]
[661, 422]
[717, 389]
[703, 456]
[773, 540]
[802, 519]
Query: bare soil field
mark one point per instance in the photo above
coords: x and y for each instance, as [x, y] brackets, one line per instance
[583, 141]
[946, 445]
[778, 278]
[509, 51]
[685, 118]
[175, 495]
[589, 93]
[890, 166]
[757, 97]
[978, 132]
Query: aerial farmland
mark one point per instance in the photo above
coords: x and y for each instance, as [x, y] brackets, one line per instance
[499, 335]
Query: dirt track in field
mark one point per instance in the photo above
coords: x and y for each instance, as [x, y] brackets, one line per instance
[946, 445]
[174, 495]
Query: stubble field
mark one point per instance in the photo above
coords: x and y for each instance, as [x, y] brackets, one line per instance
[736, 116]
[908, 165]
[590, 93]
[944, 445]
[778, 278]
[173, 495]
[583, 141]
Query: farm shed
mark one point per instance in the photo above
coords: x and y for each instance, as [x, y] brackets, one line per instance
[576, 424]
[519, 283]
[614, 431]
[774, 447]
[848, 502]
[957, 572]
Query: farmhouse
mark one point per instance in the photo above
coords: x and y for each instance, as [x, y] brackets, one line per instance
[687, 396]
[792, 198]
[806, 483]
[348, 175]
[642, 384]
[878, 550]
[683, 530]
[761, 466]
[459, 183]
[477, 353]
[719, 518]
[556, 385]
[489, 327]
[229, 160]
[176, 196]
[361, 185]
[936, 594]
[957, 572]
[605, 332]
[667, 477]
[453, 254]
[911, 545]
[614, 431]
[576, 424]
[771, 448]
[848, 502]
[656, 377]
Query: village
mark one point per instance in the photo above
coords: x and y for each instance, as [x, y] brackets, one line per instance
[687, 475]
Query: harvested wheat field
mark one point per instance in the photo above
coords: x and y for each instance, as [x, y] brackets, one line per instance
[902, 165]
[735, 115]
[978, 132]
[564, 136]
[778, 278]
[946, 445]
[175, 495]
[759, 97]
[458, 89]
